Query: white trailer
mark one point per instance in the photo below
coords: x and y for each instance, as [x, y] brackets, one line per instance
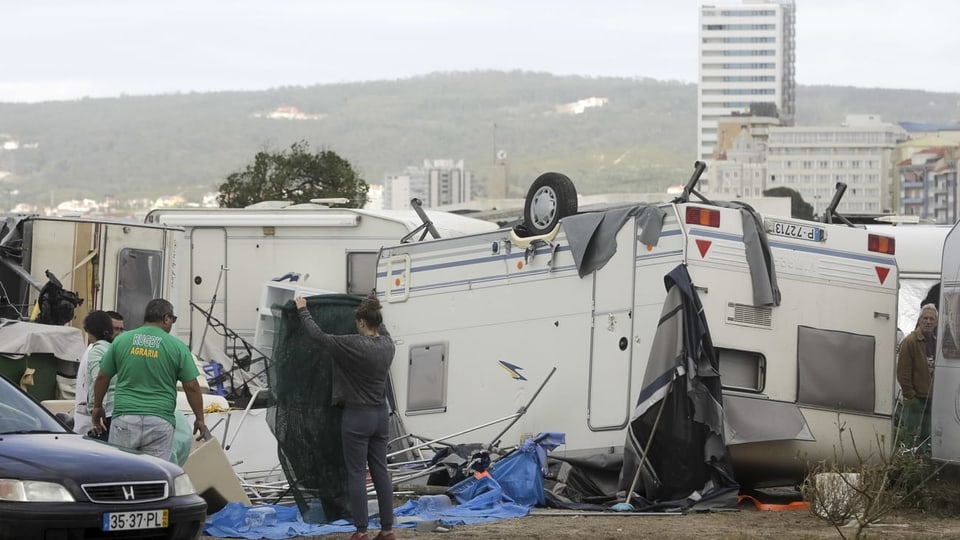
[80, 265]
[945, 429]
[229, 254]
[919, 250]
[481, 320]
[227, 267]
[110, 264]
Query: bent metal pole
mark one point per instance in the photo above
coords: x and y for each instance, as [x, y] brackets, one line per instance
[522, 410]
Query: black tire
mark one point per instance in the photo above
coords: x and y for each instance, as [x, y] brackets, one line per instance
[551, 197]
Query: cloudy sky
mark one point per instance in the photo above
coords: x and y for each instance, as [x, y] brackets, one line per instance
[67, 49]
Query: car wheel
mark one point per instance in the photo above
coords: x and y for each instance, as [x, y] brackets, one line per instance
[551, 197]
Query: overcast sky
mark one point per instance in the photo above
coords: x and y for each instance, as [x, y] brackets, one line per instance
[67, 49]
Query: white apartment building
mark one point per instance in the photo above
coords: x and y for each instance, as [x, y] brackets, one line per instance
[746, 56]
[438, 182]
[928, 185]
[861, 153]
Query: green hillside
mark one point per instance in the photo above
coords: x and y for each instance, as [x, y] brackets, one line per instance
[643, 140]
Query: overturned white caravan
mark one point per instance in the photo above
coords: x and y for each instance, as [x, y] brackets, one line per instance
[919, 252]
[55, 270]
[110, 264]
[802, 314]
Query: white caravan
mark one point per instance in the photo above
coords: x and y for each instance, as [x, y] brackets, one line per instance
[919, 250]
[229, 254]
[481, 321]
[110, 264]
[55, 270]
[945, 429]
[227, 266]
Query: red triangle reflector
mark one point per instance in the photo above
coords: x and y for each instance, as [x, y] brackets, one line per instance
[703, 246]
[882, 273]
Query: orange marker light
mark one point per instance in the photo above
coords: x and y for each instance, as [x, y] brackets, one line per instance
[702, 216]
[881, 244]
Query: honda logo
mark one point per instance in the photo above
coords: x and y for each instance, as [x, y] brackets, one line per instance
[127, 493]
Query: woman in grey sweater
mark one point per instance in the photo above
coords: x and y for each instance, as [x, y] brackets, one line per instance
[361, 362]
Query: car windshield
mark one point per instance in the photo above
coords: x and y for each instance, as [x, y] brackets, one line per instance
[21, 414]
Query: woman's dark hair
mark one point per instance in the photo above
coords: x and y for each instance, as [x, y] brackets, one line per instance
[369, 311]
[99, 325]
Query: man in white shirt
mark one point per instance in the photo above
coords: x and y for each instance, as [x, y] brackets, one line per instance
[82, 422]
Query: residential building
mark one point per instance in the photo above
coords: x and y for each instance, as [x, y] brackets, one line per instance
[398, 189]
[928, 185]
[746, 57]
[742, 170]
[755, 122]
[438, 182]
[861, 153]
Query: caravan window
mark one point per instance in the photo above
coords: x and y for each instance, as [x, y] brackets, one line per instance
[138, 282]
[835, 369]
[742, 370]
[427, 379]
[361, 272]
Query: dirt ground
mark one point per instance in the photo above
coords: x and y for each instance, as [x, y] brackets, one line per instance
[745, 522]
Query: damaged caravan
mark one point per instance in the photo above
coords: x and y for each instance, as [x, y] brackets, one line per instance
[55, 270]
[555, 319]
[108, 264]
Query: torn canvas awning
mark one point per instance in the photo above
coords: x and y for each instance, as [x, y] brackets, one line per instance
[676, 431]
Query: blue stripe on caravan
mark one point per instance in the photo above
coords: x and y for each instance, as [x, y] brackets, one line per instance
[659, 255]
[475, 260]
[800, 247]
[836, 253]
[487, 279]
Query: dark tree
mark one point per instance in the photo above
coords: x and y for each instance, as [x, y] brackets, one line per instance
[798, 207]
[294, 175]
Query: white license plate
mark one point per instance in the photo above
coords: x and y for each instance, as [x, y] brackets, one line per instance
[143, 519]
[794, 230]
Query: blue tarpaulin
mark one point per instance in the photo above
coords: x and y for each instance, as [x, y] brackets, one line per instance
[481, 497]
[488, 505]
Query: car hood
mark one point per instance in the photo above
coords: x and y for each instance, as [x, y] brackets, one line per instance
[61, 456]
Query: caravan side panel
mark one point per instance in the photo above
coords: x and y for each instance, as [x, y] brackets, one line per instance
[507, 316]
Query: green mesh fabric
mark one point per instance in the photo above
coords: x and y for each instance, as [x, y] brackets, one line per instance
[300, 413]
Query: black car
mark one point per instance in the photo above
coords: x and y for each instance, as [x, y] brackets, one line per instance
[55, 484]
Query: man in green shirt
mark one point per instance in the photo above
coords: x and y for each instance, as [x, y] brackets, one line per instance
[148, 362]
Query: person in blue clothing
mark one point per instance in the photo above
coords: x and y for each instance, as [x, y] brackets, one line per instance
[361, 363]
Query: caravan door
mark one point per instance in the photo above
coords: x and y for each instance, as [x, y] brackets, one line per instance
[945, 430]
[138, 273]
[611, 339]
[208, 284]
